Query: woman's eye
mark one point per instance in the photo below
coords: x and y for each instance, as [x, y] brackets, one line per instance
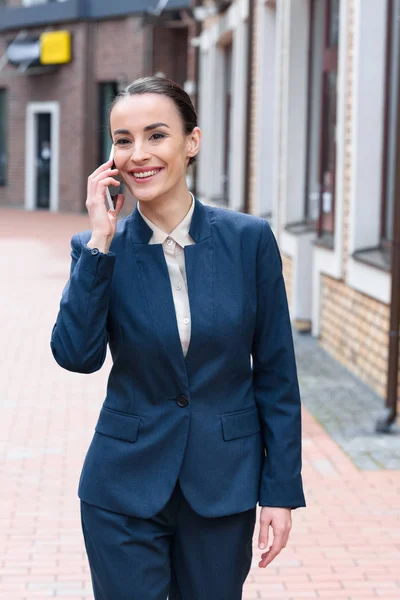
[122, 142]
[157, 136]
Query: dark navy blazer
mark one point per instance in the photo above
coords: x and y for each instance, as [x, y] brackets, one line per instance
[224, 420]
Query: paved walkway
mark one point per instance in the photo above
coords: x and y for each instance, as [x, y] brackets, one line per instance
[346, 408]
[345, 545]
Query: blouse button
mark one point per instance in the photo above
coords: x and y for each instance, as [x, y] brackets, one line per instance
[169, 242]
[178, 286]
[186, 320]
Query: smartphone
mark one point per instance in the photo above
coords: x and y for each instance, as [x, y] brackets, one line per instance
[111, 191]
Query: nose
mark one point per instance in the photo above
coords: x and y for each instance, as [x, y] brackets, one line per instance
[139, 153]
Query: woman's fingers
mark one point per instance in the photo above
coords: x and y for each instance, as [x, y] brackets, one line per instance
[108, 181]
[119, 204]
[104, 167]
[103, 174]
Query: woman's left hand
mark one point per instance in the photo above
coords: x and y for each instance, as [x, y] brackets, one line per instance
[280, 519]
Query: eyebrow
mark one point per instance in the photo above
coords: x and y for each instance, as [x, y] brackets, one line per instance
[154, 126]
[147, 128]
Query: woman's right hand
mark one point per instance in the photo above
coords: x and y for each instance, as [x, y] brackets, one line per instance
[103, 222]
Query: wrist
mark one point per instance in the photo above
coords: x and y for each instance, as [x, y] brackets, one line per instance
[102, 243]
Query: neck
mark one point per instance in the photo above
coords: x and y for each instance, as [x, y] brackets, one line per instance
[168, 211]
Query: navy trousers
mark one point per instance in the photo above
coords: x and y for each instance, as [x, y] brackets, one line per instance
[176, 554]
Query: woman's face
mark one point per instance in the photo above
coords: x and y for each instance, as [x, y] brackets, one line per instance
[151, 149]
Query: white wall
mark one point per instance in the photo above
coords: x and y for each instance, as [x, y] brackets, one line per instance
[265, 131]
[368, 123]
[297, 90]
[368, 119]
[212, 106]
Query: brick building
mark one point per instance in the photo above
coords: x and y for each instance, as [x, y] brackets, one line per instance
[303, 132]
[53, 118]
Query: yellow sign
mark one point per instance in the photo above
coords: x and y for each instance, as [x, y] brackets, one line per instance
[55, 48]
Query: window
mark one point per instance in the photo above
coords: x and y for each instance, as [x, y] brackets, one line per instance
[228, 119]
[321, 135]
[107, 92]
[389, 132]
[3, 137]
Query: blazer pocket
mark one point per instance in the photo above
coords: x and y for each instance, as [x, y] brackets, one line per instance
[118, 425]
[240, 424]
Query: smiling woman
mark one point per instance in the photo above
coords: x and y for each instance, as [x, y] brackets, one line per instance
[192, 433]
[155, 135]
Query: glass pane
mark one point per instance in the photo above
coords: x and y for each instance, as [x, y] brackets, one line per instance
[333, 24]
[3, 137]
[315, 112]
[329, 150]
[43, 161]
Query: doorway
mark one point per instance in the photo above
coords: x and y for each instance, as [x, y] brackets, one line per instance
[43, 160]
[42, 156]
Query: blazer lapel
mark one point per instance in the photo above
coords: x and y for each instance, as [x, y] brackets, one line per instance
[199, 273]
[157, 290]
[154, 275]
[199, 262]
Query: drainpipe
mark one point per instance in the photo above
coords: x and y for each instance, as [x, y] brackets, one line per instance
[197, 34]
[387, 420]
[250, 85]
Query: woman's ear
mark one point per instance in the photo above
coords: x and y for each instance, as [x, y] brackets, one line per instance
[193, 142]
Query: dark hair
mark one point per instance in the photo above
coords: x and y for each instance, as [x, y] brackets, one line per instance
[170, 89]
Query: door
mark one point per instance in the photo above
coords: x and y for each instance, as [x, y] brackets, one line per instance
[43, 160]
[42, 156]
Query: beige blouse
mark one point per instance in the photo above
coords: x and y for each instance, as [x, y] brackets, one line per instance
[173, 245]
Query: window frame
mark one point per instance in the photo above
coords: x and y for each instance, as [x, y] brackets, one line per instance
[329, 65]
[228, 81]
[329, 61]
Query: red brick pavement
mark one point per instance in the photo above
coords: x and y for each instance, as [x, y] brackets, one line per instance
[345, 545]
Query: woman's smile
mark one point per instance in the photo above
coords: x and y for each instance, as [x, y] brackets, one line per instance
[144, 174]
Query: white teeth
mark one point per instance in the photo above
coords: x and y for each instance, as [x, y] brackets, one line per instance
[145, 174]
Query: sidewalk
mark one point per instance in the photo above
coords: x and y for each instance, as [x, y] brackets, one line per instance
[345, 545]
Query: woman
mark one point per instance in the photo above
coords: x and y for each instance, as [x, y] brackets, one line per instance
[192, 432]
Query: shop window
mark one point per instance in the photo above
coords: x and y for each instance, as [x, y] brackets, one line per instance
[322, 116]
[390, 124]
[107, 93]
[3, 137]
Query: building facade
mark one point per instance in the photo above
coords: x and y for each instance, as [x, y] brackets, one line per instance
[321, 95]
[54, 118]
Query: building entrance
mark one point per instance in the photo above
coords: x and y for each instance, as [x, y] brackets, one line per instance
[43, 160]
[42, 156]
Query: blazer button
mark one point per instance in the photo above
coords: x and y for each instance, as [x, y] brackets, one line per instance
[182, 401]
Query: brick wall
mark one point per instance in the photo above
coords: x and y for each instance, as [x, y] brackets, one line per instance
[120, 47]
[354, 329]
[66, 87]
[170, 50]
[98, 55]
